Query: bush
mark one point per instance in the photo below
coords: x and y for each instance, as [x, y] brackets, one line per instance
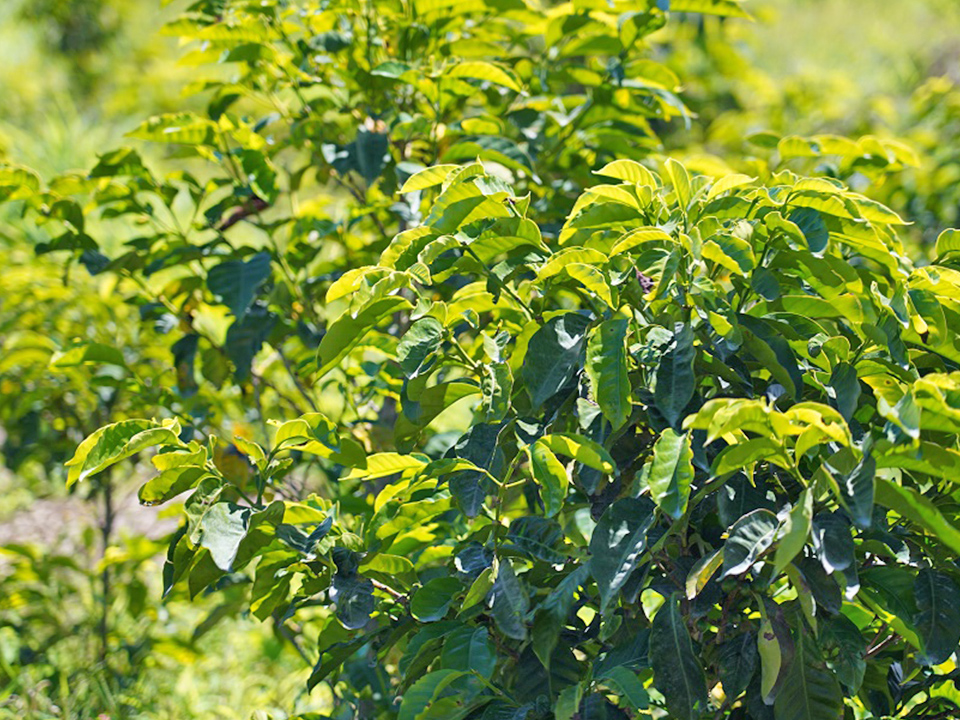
[671, 445]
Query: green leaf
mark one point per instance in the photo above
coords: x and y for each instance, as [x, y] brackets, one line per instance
[417, 700]
[479, 70]
[628, 686]
[538, 537]
[428, 177]
[89, 353]
[553, 355]
[750, 537]
[857, 491]
[470, 649]
[810, 691]
[813, 228]
[938, 616]
[223, 527]
[417, 349]
[794, 532]
[844, 388]
[948, 242]
[348, 330]
[568, 702]
[671, 473]
[509, 603]
[353, 595]
[677, 672]
[618, 540]
[832, 541]
[738, 661]
[582, 449]
[431, 602]
[607, 370]
[551, 475]
[629, 171]
[918, 509]
[113, 443]
[675, 380]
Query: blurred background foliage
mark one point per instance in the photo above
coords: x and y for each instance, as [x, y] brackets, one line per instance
[77, 74]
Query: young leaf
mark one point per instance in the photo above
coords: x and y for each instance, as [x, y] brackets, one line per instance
[551, 475]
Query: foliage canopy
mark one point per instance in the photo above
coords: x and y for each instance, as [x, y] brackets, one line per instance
[591, 435]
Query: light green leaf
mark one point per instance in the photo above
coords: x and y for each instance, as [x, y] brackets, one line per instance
[480, 70]
[113, 443]
[346, 332]
[629, 171]
[551, 475]
[428, 177]
[582, 449]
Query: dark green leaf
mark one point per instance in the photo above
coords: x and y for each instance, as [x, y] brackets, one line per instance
[236, 282]
[677, 672]
[810, 691]
[675, 380]
[470, 649]
[509, 603]
[607, 369]
[738, 662]
[616, 545]
[417, 349]
[750, 537]
[553, 355]
[938, 615]
[671, 473]
[431, 602]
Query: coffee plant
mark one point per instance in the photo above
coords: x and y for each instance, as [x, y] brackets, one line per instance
[495, 411]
